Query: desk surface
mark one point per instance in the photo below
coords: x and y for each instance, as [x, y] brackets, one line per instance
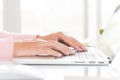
[58, 72]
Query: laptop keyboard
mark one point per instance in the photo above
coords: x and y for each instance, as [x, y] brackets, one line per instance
[92, 54]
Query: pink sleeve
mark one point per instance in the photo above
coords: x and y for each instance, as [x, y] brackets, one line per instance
[6, 48]
[7, 43]
[16, 36]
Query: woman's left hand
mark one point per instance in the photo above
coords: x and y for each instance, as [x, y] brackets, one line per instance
[66, 40]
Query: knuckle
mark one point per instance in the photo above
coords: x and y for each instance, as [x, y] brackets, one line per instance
[46, 50]
[52, 44]
[60, 33]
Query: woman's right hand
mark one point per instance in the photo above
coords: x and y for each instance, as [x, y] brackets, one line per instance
[39, 46]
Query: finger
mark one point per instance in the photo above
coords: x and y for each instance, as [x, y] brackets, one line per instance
[79, 44]
[44, 51]
[62, 48]
[69, 42]
[54, 53]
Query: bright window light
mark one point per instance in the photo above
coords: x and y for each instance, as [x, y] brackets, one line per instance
[47, 16]
[1, 17]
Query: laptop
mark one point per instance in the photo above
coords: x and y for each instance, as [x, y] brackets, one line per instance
[101, 55]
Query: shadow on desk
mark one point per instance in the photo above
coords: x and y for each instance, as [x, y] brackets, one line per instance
[12, 76]
[87, 78]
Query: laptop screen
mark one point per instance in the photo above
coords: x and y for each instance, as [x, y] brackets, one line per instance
[110, 40]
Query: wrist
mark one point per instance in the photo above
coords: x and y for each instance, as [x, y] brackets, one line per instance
[39, 37]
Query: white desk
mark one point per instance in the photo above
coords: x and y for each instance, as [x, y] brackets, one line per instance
[35, 72]
[63, 73]
[78, 73]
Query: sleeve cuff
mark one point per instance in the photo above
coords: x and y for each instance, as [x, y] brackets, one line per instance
[24, 37]
[6, 48]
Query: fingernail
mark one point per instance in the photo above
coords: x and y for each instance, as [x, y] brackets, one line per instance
[85, 49]
[80, 49]
[67, 53]
[59, 55]
[72, 52]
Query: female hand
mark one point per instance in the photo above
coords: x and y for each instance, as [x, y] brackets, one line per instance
[38, 46]
[66, 40]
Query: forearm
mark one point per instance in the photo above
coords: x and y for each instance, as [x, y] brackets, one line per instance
[6, 48]
[16, 36]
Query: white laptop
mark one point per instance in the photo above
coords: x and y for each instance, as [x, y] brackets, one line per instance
[101, 55]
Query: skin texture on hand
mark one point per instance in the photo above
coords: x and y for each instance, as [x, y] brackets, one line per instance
[56, 45]
[36, 47]
[66, 40]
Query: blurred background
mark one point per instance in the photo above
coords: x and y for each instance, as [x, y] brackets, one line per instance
[79, 18]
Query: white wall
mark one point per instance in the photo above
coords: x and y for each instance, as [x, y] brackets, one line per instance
[1, 17]
[78, 18]
[108, 7]
[93, 19]
[47, 16]
[11, 15]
